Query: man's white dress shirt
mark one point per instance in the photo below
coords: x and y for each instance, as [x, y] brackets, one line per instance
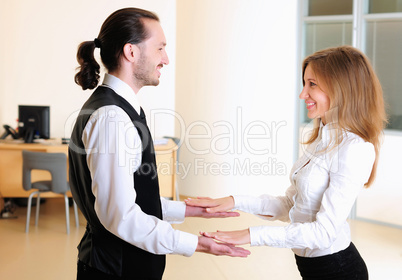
[114, 148]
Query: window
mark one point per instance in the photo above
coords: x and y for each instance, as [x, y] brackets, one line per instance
[385, 6]
[374, 26]
[330, 7]
[383, 46]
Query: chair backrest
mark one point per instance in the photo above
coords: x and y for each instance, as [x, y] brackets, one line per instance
[55, 163]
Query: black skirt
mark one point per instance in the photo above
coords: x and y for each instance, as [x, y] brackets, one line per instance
[344, 265]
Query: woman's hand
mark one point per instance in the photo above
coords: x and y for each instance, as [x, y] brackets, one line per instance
[239, 237]
[212, 205]
[193, 211]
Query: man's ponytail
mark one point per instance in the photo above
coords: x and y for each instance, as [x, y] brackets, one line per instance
[88, 75]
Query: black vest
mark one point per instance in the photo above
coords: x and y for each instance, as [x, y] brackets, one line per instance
[99, 248]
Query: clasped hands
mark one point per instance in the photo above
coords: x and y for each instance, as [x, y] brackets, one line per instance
[218, 208]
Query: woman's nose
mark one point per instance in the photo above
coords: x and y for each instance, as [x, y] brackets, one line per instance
[303, 94]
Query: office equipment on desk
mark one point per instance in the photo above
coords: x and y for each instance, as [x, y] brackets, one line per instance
[9, 131]
[33, 122]
[56, 164]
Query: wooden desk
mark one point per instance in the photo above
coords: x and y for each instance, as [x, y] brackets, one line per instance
[11, 167]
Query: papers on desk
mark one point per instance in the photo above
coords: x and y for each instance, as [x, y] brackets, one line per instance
[161, 141]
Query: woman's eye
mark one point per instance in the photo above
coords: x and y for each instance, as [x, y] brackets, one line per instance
[312, 84]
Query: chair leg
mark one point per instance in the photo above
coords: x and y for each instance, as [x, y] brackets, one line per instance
[29, 210]
[76, 214]
[67, 214]
[37, 209]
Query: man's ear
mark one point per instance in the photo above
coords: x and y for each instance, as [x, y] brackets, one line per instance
[131, 52]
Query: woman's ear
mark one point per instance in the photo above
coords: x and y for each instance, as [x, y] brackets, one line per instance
[131, 52]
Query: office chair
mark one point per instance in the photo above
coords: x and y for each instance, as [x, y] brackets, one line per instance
[56, 164]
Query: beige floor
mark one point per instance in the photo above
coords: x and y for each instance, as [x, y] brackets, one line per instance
[48, 253]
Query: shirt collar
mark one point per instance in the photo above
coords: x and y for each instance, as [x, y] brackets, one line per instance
[122, 89]
[325, 132]
[330, 131]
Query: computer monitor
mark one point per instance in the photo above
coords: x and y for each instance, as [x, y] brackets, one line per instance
[33, 122]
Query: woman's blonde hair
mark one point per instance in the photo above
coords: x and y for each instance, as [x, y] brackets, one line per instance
[355, 93]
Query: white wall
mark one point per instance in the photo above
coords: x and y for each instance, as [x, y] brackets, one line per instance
[382, 201]
[38, 49]
[236, 79]
[2, 60]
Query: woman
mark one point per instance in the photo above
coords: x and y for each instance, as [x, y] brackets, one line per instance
[344, 97]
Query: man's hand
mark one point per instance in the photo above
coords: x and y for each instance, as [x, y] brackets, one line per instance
[212, 206]
[209, 246]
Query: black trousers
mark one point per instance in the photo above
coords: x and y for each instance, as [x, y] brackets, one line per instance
[344, 265]
[85, 272]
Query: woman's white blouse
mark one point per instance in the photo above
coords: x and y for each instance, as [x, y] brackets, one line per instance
[324, 187]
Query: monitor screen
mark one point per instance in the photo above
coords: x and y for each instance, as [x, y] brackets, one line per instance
[33, 122]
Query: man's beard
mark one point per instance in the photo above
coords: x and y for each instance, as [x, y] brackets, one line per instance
[143, 76]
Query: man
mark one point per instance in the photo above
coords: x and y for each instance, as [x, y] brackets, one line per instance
[113, 173]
